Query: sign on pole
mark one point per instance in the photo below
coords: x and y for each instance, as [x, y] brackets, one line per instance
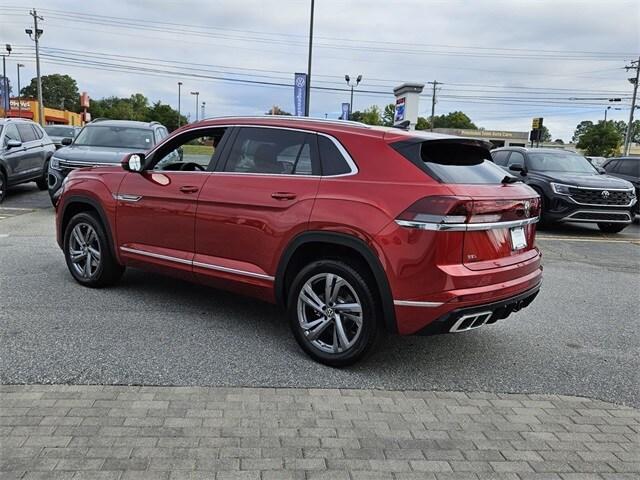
[300, 93]
[536, 123]
[399, 113]
[346, 108]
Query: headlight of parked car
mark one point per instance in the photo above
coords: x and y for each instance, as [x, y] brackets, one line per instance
[54, 163]
[560, 188]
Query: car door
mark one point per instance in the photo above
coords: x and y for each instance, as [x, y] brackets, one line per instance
[15, 157]
[253, 205]
[32, 162]
[155, 212]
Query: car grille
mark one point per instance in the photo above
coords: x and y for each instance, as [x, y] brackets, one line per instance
[601, 216]
[596, 196]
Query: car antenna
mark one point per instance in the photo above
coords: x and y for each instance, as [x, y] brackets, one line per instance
[402, 125]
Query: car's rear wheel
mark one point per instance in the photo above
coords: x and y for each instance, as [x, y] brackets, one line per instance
[333, 313]
[43, 182]
[87, 252]
[612, 227]
[3, 186]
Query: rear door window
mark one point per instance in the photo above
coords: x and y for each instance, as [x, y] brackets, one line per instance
[453, 161]
[27, 134]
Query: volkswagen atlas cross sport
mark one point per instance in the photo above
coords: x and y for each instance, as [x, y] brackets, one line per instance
[355, 230]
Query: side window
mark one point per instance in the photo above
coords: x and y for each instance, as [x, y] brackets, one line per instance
[11, 133]
[333, 162]
[39, 132]
[629, 167]
[500, 158]
[272, 150]
[191, 151]
[516, 158]
[26, 132]
[612, 165]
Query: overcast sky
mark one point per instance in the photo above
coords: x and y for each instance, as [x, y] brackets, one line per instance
[501, 62]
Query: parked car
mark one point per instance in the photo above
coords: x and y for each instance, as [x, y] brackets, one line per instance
[572, 190]
[597, 162]
[101, 142]
[354, 230]
[627, 168]
[58, 132]
[25, 150]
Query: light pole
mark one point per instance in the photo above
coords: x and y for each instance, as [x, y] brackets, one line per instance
[5, 82]
[607, 109]
[202, 115]
[19, 66]
[308, 86]
[352, 85]
[37, 33]
[196, 94]
[179, 87]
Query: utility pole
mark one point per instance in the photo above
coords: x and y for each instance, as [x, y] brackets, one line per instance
[435, 83]
[5, 82]
[308, 85]
[179, 87]
[19, 66]
[635, 65]
[37, 33]
[202, 116]
[196, 94]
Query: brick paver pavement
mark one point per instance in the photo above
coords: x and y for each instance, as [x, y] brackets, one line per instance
[113, 432]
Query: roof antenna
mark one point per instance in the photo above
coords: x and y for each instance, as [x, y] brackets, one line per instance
[404, 125]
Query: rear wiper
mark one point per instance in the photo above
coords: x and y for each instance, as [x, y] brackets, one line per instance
[509, 179]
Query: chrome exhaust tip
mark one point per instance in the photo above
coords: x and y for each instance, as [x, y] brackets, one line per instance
[470, 322]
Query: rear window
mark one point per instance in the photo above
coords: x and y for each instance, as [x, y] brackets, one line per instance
[453, 161]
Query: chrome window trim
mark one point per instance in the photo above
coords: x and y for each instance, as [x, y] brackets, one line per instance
[411, 303]
[466, 227]
[352, 164]
[209, 266]
[569, 218]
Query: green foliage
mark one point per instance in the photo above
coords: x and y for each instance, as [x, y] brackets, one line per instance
[422, 124]
[619, 125]
[601, 140]
[546, 135]
[388, 115]
[137, 108]
[580, 129]
[370, 116]
[58, 91]
[450, 120]
[276, 110]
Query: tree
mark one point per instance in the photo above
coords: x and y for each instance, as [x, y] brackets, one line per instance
[276, 110]
[601, 140]
[133, 108]
[389, 115]
[451, 120]
[372, 115]
[580, 129]
[546, 135]
[559, 141]
[422, 124]
[163, 113]
[58, 91]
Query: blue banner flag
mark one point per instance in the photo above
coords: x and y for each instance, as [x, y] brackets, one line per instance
[345, 111]
[300, 93]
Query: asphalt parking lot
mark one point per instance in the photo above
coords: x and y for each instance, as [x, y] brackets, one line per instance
[580, 337]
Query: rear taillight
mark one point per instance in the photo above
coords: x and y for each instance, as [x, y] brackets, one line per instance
[464, 213]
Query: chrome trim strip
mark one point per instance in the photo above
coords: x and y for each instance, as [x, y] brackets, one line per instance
[198, 264]
[123, 197]
[411, 303]
[598, 188]
[569, 218]
[71, 163]
[156, 255]
[466, 227]
[608, 205]
[233, 270]
[483, 317]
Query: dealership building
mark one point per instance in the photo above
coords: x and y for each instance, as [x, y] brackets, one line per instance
[28, 108]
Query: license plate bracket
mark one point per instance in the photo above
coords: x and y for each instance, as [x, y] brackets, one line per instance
[518, 238]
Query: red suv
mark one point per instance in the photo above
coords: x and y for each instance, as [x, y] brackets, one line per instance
[355, 230]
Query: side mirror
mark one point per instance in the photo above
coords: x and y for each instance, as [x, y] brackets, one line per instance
[517, 167]
[133, 162]
[66, 141]
[601, 170]
[13, 144]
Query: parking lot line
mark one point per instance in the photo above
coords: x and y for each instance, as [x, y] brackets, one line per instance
[588, 239]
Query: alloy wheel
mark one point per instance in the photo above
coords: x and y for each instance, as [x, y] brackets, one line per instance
[84, 250]
[329, 313]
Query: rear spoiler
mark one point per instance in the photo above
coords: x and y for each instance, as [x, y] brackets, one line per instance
[401, 138]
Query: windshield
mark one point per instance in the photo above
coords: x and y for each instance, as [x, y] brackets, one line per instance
[115, 136]
[60, 131]
[559, 162]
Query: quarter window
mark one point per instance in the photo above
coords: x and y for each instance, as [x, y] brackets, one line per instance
[333, 162]
[272, 151]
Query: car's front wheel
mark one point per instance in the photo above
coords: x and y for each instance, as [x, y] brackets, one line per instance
[3, 186]
[612, 227]
[87, 252]
[333, 313]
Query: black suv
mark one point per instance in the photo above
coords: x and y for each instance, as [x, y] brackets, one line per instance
[627, 168]
[572, 190]
[25, 150]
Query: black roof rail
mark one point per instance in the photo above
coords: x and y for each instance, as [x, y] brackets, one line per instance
[99, 119]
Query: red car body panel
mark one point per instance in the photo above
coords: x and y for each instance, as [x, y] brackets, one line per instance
[232, 231]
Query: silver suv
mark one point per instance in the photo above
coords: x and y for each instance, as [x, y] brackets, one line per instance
[25, 151]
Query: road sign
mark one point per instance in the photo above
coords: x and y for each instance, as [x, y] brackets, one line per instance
[537, 123]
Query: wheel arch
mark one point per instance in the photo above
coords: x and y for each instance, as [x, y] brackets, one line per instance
[304, 248]
[77, 204]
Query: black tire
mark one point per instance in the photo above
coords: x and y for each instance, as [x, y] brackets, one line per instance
[612, 227]
[3, 186]
[101, 273]
[354, 289]
[42, 182]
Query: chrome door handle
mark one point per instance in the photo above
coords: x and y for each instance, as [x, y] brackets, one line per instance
[283, 195]
[189, 189]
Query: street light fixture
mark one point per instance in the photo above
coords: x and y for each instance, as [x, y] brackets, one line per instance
[347, 79]
[196, 94]
[607, 109]
[179, 87]
[5, 81]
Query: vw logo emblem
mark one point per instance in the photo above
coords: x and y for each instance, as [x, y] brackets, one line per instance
[527, 208]
[605, 194]
[300, 82]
